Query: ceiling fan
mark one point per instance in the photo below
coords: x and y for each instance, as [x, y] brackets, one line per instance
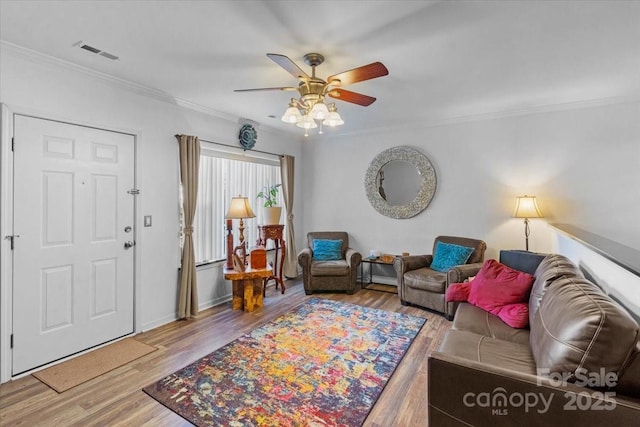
[310, 106]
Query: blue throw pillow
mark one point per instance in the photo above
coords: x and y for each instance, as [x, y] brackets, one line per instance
[449, 255]
[327, 250]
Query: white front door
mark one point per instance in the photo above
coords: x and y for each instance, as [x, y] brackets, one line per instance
[73, 275]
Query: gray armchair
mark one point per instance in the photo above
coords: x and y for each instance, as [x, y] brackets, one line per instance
[419, 285]
[333, 275]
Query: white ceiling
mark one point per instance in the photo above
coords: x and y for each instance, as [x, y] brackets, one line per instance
[447, 60]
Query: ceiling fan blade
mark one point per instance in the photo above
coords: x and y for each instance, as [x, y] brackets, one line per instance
[288, 65]
[266, 89]
[366, 72]
[353, 97]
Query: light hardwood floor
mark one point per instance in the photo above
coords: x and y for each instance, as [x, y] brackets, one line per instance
[117, 399]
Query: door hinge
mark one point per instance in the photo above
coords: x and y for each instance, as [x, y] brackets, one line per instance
[13, 143]
[12, 238]
[134, 191]
[11, 340]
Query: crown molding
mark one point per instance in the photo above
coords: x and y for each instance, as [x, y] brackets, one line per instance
[495, 115]
[40, 58]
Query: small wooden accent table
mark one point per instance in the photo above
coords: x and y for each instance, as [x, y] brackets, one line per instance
[274, 232]
[247, 287]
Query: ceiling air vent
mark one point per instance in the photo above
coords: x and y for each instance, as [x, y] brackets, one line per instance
[108, 55]
[89, 48]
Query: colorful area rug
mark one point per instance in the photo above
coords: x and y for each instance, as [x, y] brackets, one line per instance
[322, 364]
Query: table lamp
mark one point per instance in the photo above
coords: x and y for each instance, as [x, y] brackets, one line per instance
[238, 209]
[527, 207]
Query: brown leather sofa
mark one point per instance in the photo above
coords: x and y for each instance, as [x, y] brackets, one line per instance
[333, 275]
[578, 363]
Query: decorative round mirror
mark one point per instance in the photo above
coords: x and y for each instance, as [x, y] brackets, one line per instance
[400, 182]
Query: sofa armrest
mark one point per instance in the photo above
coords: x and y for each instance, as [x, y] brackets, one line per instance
[353, 258]
[402, 264]
[468, 393]
[304, 257]
[459, 273]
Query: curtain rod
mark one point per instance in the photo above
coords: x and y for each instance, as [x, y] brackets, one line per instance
[233, 146]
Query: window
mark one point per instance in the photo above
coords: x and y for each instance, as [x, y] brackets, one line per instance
[224, 175]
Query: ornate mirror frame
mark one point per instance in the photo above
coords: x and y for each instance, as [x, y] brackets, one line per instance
[424, 168]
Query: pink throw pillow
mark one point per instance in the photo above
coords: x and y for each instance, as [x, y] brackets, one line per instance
[502, 291]
[515, 315]
[457, 292]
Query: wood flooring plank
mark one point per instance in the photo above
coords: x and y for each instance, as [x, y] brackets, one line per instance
[117, 399]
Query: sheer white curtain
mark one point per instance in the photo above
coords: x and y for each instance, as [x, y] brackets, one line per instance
[209, 218]
[221, 179]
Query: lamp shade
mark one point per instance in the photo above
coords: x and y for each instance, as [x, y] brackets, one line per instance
[527, 207]
[307, 123]
[239, 208]
[292, 115]
[319, 111]
[333, 118]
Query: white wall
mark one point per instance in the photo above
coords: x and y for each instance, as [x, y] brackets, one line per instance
[582, 164]
[618, 282]
[28, 84]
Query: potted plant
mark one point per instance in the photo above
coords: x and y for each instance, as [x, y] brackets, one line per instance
[270, 206]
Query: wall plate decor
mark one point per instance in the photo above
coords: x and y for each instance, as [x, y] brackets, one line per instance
[248, 136]
[400, 182]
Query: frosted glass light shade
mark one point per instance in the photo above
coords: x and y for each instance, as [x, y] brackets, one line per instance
[333, 119]
[292, 115]
[307, 123]
[319, 111]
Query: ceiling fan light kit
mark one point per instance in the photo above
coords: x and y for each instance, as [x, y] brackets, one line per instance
[311, 107]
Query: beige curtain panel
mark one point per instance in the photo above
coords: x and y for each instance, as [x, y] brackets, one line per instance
[189, 147]
[287, 175]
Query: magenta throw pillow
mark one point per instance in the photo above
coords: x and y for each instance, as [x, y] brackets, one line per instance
[502, 291]
[514, 315]
[458, 292]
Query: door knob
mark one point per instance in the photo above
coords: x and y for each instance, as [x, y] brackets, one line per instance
[129, 244]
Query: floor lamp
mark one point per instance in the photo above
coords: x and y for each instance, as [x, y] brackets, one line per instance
[527, 207]
[238, 209]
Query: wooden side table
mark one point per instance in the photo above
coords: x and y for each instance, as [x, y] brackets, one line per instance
[247, 287]
[274, 232]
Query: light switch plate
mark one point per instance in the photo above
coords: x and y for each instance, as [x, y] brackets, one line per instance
[147, 220]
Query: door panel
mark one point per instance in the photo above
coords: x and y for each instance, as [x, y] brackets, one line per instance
[56, 297]
[57, 208]
[73, 277]
[104, 208]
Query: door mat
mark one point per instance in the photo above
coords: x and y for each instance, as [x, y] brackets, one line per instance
[322, 364]
[90, 365]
